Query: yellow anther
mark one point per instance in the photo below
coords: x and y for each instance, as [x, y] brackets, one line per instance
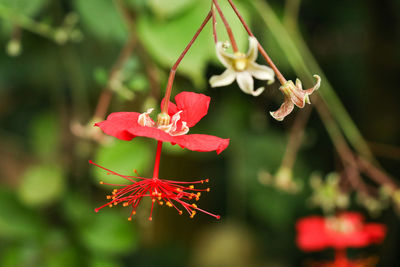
[207, 180]
[161, 203]
[208, 189]
[125, 204]
[192, 215]
[169, 204]
[133, 212]
[129, 219]
[110, 205]
[180, 212]
[150, 218]
[101, 182]
[198, 194]
[191, 186]
[159, 194]
[178, 190]
[159, 198]
[115, 203]
[194, 206]
[154, 200]
[108, 197]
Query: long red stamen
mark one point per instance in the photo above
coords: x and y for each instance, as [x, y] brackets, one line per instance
[159, 191]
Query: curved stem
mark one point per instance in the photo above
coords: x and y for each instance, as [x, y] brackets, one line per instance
[227, 26]
[175, 66]
[264, 53]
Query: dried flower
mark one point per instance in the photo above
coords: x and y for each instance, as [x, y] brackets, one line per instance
[174, 194]
[294, 95]
[173, 127]
[242, 67]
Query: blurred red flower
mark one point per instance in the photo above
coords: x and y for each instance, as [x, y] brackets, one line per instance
[190, 108]
[345, 230]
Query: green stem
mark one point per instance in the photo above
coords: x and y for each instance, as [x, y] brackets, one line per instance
[27, 23]
[303, 62]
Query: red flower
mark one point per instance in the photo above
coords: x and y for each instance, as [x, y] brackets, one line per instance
[171, 193]
[345, 230]
[189, 109]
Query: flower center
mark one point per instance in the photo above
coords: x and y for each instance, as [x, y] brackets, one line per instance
[240, 62]
[173, 126]
[163, 119]
[340, 225]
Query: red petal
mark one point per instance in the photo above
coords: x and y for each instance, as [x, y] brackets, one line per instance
[202, 142]
[124, 126]
[193, 105]
[117, 122]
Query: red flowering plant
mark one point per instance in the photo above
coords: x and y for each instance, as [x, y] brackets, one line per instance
[346, 230]
[170, 127]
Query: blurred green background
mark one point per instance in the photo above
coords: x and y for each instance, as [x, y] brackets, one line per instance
[56, 58]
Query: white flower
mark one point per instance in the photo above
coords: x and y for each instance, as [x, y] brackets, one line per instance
[242, 67]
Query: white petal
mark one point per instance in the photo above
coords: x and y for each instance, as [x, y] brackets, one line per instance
[145, 120]
[245, 82]
[258, 91]
[253, 49]
[227, 77]
[225, 58]
[261, 72]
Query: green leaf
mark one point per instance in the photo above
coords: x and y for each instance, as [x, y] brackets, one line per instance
[109, 233]
[156, 35]
[25, 7]
[168, 8]
[123, 157]
[16, 221]
[45, 133]
[41, 185]
[101, 262]
[102, 19]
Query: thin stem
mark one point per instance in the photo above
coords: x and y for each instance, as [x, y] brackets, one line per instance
[27, 23]
[375, 173]
[157, 161]
[295, 138]
[264, 53]
[214, 23]
[345, 153]
[106, 94]
[341, 258]
[227, 27]
[175, 66]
